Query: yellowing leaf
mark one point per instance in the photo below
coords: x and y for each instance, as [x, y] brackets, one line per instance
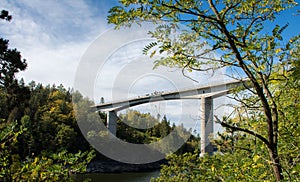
[278, 50]
[152, 54]
[256, 157]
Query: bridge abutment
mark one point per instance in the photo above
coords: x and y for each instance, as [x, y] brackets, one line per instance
[112, 118]
[206, 125]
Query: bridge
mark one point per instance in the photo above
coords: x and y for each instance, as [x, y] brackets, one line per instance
[205, 93]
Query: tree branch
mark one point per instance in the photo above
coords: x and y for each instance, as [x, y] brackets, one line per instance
[188, 11]
[228, 9]
[234, 128]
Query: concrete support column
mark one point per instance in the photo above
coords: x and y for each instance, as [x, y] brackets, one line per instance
[112, 122]
[206, 125]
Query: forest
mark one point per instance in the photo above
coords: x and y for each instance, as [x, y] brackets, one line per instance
[39, 134]
[40, 138]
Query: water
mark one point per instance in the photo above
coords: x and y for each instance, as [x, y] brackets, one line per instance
[117, 177]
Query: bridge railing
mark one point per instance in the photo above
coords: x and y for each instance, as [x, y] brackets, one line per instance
[160, 93]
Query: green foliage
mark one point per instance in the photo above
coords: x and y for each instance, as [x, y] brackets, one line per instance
[142, 128]
[219, 167]
[43, 146]
[55, 167]
[8, 139]
[287, 96]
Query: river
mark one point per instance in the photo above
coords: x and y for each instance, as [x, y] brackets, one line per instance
[116, 177]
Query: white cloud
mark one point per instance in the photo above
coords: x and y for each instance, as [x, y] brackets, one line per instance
[52, 36]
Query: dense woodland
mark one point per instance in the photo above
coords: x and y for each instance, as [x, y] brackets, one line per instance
[40, 127]
[40, 139]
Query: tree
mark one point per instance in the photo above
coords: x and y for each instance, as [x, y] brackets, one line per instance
[234, 29]
[10, 59]
[10, 63]
[5, 15]
[164, 128]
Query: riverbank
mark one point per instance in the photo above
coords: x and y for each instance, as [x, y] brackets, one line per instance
[110, 166]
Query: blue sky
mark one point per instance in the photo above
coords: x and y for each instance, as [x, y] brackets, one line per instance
[54, 35]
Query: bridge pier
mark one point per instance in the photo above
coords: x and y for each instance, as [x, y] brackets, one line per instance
[111, 119]
[206, 125]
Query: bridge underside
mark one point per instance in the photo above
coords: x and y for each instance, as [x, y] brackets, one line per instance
[206, 124]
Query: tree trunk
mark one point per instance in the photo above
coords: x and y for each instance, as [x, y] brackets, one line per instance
[277, 168]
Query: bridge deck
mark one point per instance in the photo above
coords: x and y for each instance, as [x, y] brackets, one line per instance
[215, 90]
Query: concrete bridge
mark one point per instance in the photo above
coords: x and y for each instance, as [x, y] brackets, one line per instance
[205, 93]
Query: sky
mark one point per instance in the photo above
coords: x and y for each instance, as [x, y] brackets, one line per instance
[52, 35]
[58, 40]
